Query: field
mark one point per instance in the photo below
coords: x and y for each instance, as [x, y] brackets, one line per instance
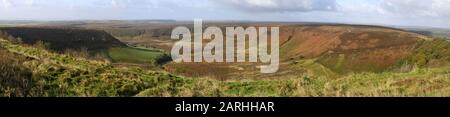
[132, 55]
[135, 55]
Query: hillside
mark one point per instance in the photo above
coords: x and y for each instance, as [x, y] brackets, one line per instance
[306, 48]
[325, 49]
[331, 50]
[348, 48]
[52, 74]
[32, 72]
[86, 43]
[61, 39]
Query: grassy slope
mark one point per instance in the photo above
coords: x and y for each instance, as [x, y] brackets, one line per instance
[134, 55]
[314, 68]
[421, 82]
[429, 53]
[60, 75]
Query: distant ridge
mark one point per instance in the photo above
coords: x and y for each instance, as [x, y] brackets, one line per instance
[61, 39]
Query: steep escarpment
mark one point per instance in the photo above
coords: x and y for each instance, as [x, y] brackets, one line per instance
[61, 39]
[348, 48]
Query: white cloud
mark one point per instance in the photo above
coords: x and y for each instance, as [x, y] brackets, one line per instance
[418, 8]
[404, 12]
[259, 3]
[282, 5]
[6, 4]
[127, 3]
[30, 2]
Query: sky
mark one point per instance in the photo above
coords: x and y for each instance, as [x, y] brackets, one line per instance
[432, 13]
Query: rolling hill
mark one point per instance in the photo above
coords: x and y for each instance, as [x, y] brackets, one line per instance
[95, 43]
[34, 72]
[331, 50]
[316, 60]
[61, 39]
[348, 48]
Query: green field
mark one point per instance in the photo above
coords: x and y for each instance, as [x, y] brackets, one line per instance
[134, 55]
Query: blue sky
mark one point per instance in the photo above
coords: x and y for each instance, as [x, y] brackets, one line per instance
[434, 13]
